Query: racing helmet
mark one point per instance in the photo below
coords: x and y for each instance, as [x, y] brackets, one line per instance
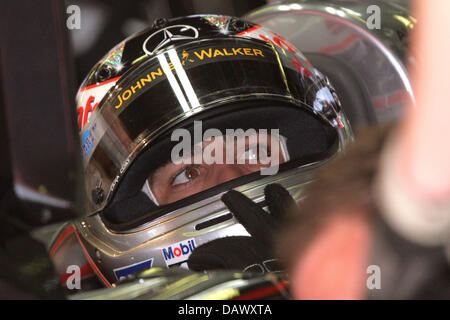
[202, 72]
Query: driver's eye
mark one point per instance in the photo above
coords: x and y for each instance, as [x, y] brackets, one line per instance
[186, 175]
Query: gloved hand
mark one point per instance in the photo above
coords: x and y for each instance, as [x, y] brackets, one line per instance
[249, 254]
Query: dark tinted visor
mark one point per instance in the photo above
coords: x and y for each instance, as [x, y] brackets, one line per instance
[179, 84]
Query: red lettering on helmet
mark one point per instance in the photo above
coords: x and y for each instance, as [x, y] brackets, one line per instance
[83, 112]
[283, 44]
[264, 38]
[300, 67]
[80, 111]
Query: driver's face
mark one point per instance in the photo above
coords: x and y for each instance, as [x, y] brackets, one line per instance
[173, 182]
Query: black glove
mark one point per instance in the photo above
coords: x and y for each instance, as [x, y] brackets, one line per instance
[249, 254]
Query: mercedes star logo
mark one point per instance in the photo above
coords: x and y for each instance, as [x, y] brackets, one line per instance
[166, 35]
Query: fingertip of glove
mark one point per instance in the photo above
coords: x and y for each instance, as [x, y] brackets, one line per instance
[275, 187]
[230, 195]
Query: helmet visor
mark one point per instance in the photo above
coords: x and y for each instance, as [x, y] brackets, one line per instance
[183, 82]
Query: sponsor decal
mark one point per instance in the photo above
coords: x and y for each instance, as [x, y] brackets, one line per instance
[113, 184]
[196, 56]
[218, 21]
[88, 99]
[87, 142]
[213, 53]
[125, 271]
[178, 252]
[167, 35]
[90, 136]
[141, 83]
[185, 58]
[115, 56]
[269, 36]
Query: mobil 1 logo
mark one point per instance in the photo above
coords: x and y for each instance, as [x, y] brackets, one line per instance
[178, 252]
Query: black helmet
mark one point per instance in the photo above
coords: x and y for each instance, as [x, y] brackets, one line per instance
[217, 71]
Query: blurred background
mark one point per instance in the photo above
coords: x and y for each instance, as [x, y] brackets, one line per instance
[104, 23]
